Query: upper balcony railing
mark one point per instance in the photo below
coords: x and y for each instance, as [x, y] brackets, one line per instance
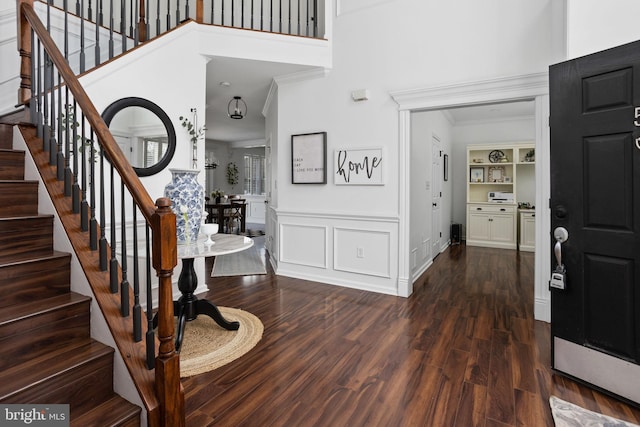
[106, 28]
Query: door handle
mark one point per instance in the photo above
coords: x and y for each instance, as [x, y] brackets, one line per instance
[561, 235]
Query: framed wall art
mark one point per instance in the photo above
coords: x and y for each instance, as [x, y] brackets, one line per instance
[476, 175]
[309, 158]
[359, 166]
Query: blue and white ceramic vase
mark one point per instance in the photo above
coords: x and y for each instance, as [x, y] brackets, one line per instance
[187, 202]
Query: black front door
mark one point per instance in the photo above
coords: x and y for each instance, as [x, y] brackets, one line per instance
[595, 196]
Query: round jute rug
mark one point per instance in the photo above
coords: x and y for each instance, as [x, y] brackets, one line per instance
[207, 346]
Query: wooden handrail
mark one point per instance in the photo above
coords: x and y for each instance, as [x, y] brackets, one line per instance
[168, 402]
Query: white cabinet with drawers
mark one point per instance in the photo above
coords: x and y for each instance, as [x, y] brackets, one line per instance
[492, 225]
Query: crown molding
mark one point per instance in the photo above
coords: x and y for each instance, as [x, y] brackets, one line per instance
[460, 94]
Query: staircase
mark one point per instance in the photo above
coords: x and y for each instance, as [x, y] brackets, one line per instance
[47, 355]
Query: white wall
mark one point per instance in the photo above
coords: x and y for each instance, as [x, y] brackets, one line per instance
[424, 127]
[424, 43]
[594, 25]
[10, 64]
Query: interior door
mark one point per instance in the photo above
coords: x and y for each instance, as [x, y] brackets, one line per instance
[436, 196]
[595, 196]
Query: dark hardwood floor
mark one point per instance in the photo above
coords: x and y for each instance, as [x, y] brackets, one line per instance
[463, 350]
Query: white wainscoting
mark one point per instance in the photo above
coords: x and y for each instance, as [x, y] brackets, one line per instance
[354, 251]
[362, 251]
[307, 245]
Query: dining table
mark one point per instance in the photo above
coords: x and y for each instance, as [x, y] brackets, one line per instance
[188, 307]
[219, 209]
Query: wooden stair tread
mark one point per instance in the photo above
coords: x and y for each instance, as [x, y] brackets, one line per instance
[54, 254]
[54, 364]
[113, 412]
[24, 217]
[35, 308]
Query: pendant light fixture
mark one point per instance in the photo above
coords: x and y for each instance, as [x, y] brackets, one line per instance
[237, 108]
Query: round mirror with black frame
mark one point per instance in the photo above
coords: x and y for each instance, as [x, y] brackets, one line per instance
[144, 132]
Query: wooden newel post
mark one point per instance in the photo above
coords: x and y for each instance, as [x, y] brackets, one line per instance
[200, 11]
[24, 48]
[165, 258]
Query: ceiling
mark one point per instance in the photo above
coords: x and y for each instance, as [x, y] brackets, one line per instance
[246, 78]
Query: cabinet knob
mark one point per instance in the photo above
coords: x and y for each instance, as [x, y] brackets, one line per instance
[478, 209]
[502, 209]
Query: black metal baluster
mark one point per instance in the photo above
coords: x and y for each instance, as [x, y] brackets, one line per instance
[137, 310]
[233, 19]
[93, 223]
[261, 15]
[280, 16]
[158, 19]
[90, 12]
[134, 30]
[289, 14]
[242, 14]
[177, 12]
[77, 7]
[100, 16]
[307, 7]
[75, 193]
[47, 85]
[68, 173]
[103, 218]
[33, 110]
[66, 29]
[97, 46]
[111, 23]
[123, 25]
[82, 53]
[150, 339]
[39, 84]
[113, 265]
[213, 5]
[62, 154]
[314, 18]
[84, 205]
[271, 16]
[299, 23]
[186, 10]
[53, 145]
[168, 14]
[222, 15]
[131, 18]
[124, 285]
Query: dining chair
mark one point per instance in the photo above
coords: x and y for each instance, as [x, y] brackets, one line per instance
[234, 215]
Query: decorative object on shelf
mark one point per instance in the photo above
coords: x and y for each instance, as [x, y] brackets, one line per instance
[232, 173]
[309, 158]
[477, 160]
[496, 156]
[237, 108]
[476, 175]
[496, 174]
[187, 202]
[530, 156]
[195, 134]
